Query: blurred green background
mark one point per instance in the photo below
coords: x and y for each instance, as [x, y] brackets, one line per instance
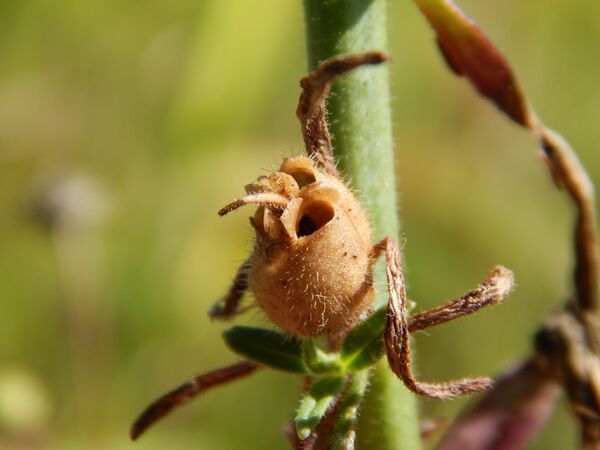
[125, 126]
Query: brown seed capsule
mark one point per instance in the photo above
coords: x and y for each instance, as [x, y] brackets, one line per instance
[309, 271]
[311, 268]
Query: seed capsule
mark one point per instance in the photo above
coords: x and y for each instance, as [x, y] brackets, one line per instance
[309, 271]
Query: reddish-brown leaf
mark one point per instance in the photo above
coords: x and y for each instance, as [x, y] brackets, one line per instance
[471, 54]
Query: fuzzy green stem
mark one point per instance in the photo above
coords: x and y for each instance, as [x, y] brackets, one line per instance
[360, 120]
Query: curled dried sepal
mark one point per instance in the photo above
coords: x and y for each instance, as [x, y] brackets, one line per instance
[397, 334]
[311, 106]
[315, 404]
[363, 346]
[491, 291]
[190, 389]
[269, 199]
[267, 348]
[508, 416]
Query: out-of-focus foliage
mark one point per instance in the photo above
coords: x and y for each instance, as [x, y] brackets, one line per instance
[124, 126]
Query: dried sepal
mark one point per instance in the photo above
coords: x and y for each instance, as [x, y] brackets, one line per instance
[311, 106]
[363, 346]
[269, 199]
[397, 335]
[491, 291]
[190, 389]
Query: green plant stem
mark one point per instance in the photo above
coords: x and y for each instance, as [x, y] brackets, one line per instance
[360, 120]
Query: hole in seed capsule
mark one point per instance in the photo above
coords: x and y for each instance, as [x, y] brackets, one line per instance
[315, 215]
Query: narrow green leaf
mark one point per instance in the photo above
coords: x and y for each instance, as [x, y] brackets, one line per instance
[315, 404]
[363, 346]
[266, 347]
[368, 357]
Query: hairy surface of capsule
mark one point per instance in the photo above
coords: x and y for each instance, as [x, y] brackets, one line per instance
[310, 269]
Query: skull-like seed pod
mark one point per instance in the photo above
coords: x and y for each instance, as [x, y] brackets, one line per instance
[311, 271]
[310, 268]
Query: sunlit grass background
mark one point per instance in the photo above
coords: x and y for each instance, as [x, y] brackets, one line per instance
[125, 125]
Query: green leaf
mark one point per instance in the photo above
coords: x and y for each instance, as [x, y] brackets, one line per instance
[319, 361]
[363, 346]
[345, 424]
[315, 404]
[266, 347]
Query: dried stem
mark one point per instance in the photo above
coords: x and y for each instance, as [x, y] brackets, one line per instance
[470, 53]
[568, 171]
[568, 344]
[178, 396]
